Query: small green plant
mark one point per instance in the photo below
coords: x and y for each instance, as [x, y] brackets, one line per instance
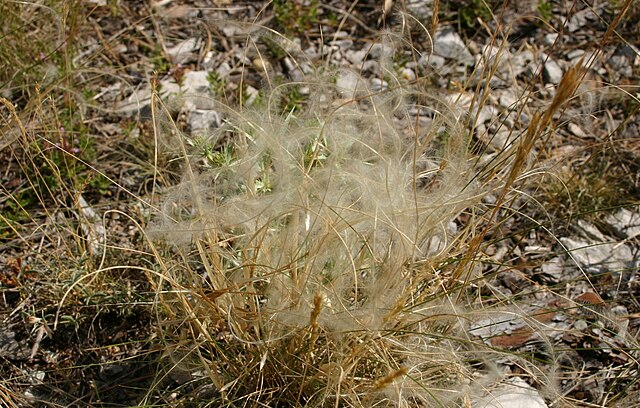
[274, 47]
[293, 99]
[216, 84]
[214, 156]
[472, 11]
[297, 16]
[159, 61]
[593, 188]
[250, 98]
[545, 10]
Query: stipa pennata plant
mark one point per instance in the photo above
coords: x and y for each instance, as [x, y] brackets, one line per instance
[314, 244]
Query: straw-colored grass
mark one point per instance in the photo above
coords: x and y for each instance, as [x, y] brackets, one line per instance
[320, 248]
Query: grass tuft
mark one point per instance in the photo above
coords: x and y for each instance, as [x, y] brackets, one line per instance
[323, 240]
[347, 237]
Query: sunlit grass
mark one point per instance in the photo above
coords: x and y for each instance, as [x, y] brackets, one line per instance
[321, 248]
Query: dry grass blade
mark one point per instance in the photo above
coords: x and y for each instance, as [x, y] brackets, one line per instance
[298, 209]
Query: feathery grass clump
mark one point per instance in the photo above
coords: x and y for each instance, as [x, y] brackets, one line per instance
[315, 259]
[321, 234]
[319, 259]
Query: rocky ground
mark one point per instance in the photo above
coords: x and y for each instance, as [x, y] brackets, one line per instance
[560, 273]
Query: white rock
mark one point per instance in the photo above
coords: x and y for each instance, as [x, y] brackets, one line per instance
[343, 44]
[461, 102]
[588, 59]
[307, 68]
[230, 30]
[356, 57]
[550, 39]
[184, 51]
[552, 72]
[379, 50]
[448, 44]
[631, 52]
[591, 232]
[499, 57]
[625, 223]
[580, 19]
[140, 99]
[495, 324]
[378, 84]
[508, 99]
[523, 61]
[408, 74]
[489, 198]
[293, 70]
[371, 66]
[431, 61]
[580, 325]
[555, 269]
[599, 257]
[576, 130]
[196, 91]
[203, 121]
[620, 65]
[120, 48]
[223, 70]
[252, 94]
[575, 54]
[500, 139]
[196, 82]
[341, 34]
[347, 83]
[624, 59]
[487, 113]
[515, 393]
[420, 8]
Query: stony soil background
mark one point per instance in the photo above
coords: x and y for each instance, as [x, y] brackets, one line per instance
[568, 258]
